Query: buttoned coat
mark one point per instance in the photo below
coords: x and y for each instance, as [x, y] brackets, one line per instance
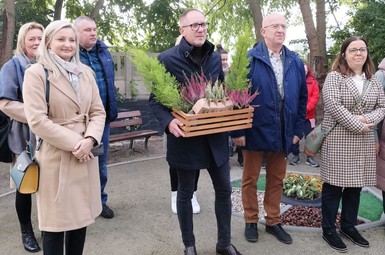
[348, 156]
[69, 191]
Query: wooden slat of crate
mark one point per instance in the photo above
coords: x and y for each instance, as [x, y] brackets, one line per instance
[214, 122]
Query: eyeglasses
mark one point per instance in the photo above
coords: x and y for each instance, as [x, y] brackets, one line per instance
[277, 26]
[195, 26]
[362, 50]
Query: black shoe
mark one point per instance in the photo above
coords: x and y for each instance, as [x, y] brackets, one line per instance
[191, 250]
[279, 233]
[251, 232]
[354, 236]
[107, 212]
[229, 250]
[28, 238]
[334, 240]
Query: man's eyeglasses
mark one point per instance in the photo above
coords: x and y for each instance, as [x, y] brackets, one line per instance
[195, 26]
[277, 26]
[362, 50]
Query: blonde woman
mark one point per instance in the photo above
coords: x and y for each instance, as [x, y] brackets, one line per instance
[68, 199]
[11, 103]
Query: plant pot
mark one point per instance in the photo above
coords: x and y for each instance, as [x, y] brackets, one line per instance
[316, 202]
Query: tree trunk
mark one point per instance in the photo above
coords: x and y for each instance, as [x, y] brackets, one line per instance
[98, 6]
[6, 44]
[256, 12]
[317, 44]
[58, 9]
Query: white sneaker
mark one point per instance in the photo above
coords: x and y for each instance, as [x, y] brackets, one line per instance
[173, 201]
[194, 202]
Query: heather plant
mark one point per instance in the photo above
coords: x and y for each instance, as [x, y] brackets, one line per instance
[194, 89]
[216, 91]
[241, 98]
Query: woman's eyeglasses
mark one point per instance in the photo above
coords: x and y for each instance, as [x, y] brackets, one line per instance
[362, 50]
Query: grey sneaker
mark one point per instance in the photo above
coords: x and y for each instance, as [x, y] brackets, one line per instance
[295, 160]
[311, 162]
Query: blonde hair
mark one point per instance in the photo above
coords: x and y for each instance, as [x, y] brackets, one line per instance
[44, 57]
[20, 45]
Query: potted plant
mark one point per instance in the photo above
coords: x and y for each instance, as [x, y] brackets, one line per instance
[302, 189]
[204, 106]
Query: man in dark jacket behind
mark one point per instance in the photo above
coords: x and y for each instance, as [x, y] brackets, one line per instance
[95, 54]
[195, 54]
[279, 76]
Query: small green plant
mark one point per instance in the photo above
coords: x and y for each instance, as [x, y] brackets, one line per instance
[302, 186]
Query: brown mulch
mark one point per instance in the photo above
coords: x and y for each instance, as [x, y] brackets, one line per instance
[305, 216]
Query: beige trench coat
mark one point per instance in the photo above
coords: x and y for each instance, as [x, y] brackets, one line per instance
[348, 156]
[69, 191]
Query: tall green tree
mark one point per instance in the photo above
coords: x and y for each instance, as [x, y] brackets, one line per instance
[367, 20]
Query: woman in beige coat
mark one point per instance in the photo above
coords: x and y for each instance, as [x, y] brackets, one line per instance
[68, 199]
[348, 154]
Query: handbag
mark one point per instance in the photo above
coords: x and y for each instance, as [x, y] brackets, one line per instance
[25, 172]
[315, 138]
[98, 151]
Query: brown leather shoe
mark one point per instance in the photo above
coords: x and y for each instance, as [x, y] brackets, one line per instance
[229, 250]
[191, 250]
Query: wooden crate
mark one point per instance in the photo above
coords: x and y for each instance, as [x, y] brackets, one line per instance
[214, 122]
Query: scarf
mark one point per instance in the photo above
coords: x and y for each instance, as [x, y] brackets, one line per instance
[71, 70]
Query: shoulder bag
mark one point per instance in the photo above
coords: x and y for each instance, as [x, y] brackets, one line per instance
[314, 140]
[25, 172]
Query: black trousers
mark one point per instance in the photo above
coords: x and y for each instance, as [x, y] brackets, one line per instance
[383, 200]
[220, 177]
[53, 242]
[174, 179]
[331, 197]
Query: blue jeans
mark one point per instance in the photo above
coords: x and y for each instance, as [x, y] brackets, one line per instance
[220, 177]
[306, 130]
[103, 163]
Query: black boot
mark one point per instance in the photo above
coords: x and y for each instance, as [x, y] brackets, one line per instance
[28, 238]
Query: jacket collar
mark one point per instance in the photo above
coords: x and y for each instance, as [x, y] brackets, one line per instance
[186, 48]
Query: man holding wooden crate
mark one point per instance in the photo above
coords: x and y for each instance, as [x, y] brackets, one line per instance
[194, 54]
[278, 75]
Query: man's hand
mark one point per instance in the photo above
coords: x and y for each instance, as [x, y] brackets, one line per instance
[240, 141]
[174, 129]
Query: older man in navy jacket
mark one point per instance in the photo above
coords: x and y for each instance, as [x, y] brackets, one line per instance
[279, 76]
[195, 54]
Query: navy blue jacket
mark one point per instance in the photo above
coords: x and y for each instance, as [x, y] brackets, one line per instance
[109, 76]
[267, 132]
[193, 152]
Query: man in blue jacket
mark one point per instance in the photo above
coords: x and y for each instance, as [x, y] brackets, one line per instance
[95, 54]
[278, 74]
[194, 54]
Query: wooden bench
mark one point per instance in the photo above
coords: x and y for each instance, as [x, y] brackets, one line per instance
[130, 120]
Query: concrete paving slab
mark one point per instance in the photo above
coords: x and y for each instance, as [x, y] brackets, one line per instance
[139, 193]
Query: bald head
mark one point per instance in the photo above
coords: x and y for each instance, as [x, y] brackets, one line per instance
[272, 19]
[274, 31]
